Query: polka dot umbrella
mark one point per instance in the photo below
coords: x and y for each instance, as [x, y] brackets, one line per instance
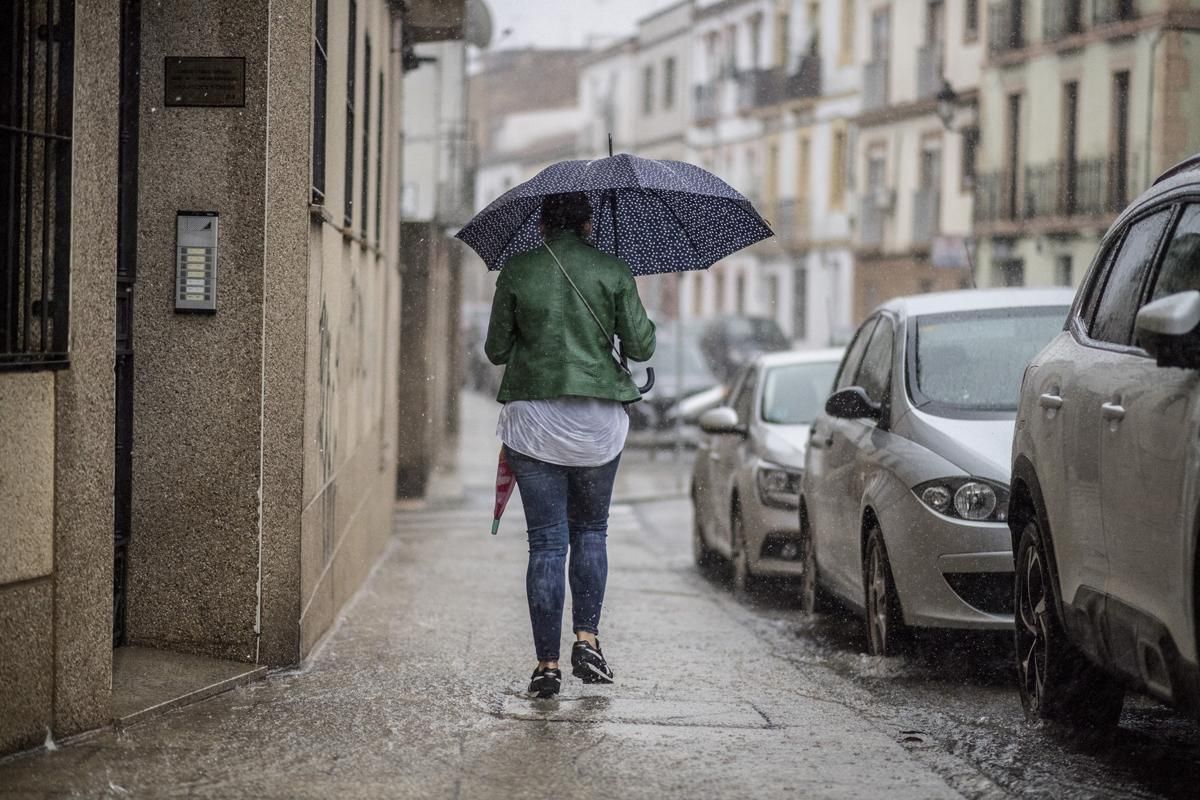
[656, 216]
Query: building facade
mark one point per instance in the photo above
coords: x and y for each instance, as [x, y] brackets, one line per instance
[201, 332]
[914, 167]
[1086, 101]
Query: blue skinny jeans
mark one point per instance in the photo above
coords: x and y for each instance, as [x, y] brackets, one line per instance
[566, 509]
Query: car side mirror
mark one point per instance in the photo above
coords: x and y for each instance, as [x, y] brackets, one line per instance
[721, 420]
[852, 403]
[1169, 330]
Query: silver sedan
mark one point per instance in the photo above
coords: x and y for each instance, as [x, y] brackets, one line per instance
[746, 479]
[905, 491]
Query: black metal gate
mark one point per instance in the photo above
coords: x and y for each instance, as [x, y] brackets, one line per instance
[127, 200]
[36, 86]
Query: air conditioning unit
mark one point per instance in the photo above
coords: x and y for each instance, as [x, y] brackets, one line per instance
[883, 198]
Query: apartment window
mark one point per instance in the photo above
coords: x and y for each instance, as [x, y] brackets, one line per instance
[320, 92]
[935, 21]
[970, 151]
[1064, 272]
[719, 290]
[1070, 139]
[837, 170]
[1119, 161]
[669, 83]
[771, 186]
[1013, 129]
[740, 290]
[366, 139]
[351, 67]
[756, 26]
[697, 295]
[647, 89]
[1012, 272]
[379, 166]
[970, 20]
[846, 33]
[783, 22]
[803, 165]
[800, 303]
[35, 176]
[814, 27]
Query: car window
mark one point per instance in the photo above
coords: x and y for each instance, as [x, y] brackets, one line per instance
[1180, 269]
[854, 354]
[743, 403]
[794, 394]
[875, 374]
[1113, 321]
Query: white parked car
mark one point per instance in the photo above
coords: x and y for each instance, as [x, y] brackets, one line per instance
[905, 484]
[1106, 476]
[746, 478]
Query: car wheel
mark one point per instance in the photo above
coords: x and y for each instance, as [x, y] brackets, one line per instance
[810, 591]
[1057, 683]
[702, 554]
[744, 580]
[886, 632]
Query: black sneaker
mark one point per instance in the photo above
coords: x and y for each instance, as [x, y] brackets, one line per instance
[545, 683]
[588, 664]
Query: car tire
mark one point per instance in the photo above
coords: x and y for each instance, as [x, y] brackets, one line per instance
[812, 599]
[744, 580]
[1056, 681]
[702, 554]
[887, 635]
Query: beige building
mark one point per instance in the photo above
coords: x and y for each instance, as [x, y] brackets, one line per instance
[199, 334]
[914, 168]
[1084, 102]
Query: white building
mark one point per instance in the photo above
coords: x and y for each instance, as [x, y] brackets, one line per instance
[915, 171]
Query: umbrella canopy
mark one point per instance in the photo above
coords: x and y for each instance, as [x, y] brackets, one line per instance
[656, 216]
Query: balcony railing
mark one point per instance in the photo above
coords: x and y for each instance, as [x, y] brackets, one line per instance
[870, 223]
[1106, 12]
[929, 70]
[1006, 26]
[791, 224]
[1062, 19]
[705, 108]
[757, 88]
[927, 209]
[875, 84]
[805, 81]
[1056, 189]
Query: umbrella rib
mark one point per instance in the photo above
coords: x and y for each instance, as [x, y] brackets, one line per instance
[517, 230]
[686, 232]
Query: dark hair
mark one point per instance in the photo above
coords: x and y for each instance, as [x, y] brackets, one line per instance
[566, 212]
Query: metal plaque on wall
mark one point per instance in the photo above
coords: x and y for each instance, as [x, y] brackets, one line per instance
[202, 81]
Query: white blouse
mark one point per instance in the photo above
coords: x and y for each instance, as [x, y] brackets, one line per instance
[567, 431]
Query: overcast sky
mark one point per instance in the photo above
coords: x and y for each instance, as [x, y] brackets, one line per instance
[565, 23]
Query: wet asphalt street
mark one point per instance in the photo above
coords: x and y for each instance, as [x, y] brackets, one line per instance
[419, 693]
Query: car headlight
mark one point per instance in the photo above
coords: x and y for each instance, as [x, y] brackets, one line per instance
[965, 498]
[778, 486]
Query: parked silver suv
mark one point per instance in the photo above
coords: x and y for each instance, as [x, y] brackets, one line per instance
[1105, 487]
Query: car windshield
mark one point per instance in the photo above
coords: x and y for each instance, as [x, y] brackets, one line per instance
[973, 361]
[796, 393]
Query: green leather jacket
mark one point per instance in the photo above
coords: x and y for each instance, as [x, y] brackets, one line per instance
[544, 334]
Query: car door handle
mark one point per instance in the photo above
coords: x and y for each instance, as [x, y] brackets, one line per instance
[1112, 412]
[1051, 401]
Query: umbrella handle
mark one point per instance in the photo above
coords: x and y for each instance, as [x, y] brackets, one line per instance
[649, 381]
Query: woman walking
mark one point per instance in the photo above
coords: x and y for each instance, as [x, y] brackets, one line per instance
[563, 423]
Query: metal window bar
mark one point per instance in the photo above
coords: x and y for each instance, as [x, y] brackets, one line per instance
[364, 216]
[379, 166]
[320, 92]
[35, 161]
[351, 62]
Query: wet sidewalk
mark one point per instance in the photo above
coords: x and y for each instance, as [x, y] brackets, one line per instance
[418, 692]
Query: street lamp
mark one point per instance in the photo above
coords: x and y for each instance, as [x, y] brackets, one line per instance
[947, 102]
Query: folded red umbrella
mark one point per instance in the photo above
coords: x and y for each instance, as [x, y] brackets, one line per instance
[505, 483]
